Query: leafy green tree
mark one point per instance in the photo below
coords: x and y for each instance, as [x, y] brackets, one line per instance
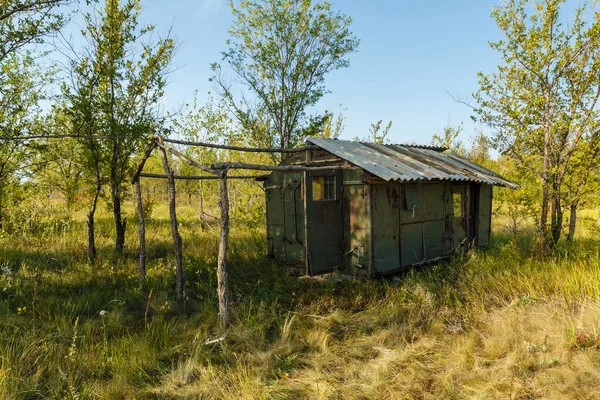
[59, 160]
[119, 85]
[541, 103]
[23, 22]
[22, 80]
[280, 51]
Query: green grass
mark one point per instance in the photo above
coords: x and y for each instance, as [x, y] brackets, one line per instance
[495, 323]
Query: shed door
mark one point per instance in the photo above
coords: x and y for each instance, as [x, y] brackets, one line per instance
[459, 214]
[324, 193]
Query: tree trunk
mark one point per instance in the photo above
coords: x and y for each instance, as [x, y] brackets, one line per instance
[174, 229]
[223, 287]
[572, 221]
[202, 216]
[120, 223]
[142, 231]
[544, 236]
[91, 228]
[557, 213]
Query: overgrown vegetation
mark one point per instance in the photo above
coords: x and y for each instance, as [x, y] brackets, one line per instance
[516, 320]
[491, 323]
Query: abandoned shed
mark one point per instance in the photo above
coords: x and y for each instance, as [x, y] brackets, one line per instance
[378, 209]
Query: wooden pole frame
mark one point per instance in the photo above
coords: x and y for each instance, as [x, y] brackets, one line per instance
[284, 168]
[142, 231]
[222, 277]
[199, 177]
[217, 171]
[239, 148]
[185, 158]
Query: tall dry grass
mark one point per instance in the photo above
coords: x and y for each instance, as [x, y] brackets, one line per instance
[495, 323]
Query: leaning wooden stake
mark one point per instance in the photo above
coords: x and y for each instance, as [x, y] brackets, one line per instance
[223, 287]
[142, 232]
[174, 229]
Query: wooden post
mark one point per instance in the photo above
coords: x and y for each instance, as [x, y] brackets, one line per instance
[174, 229]
[223, 287]
[142, 231]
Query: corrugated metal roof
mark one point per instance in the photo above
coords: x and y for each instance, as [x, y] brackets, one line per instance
[409, 163]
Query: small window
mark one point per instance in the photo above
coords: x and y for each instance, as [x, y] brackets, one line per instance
[323, 188]
[410, 197]
[458, 208]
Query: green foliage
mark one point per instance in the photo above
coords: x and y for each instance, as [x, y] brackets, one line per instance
[281, 51]
[449, 139]
[377, 134]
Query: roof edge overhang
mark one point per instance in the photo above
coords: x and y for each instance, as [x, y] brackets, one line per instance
[415, 169]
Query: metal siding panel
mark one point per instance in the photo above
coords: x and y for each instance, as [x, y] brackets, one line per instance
[412, 244]
[386, 229]
[485, 201]
[433, 237]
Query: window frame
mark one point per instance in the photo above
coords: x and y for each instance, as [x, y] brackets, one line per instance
[324, 178]
[456, 194]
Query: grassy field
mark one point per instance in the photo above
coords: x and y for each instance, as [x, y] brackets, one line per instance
[495, 323]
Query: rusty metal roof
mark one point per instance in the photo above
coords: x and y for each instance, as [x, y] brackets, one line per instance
[409, 163]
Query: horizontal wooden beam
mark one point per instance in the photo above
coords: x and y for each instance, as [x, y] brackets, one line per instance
[260, 167]
[34, 137]
[240, 148]
[183, 157]
[200, 177]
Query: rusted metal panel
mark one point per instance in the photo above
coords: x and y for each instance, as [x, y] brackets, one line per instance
[293, 217]
[386, 231]
[410, 163]
[356, 224]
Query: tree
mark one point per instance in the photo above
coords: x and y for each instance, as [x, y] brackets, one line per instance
[23, 22]
[120, 82]
[22, 82]
[59, 160]
[280, 51]
[207, 124]
[541, 103]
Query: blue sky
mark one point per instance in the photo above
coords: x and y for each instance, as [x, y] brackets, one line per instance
[412, 53]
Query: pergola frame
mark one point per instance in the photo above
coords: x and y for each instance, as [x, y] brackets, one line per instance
[216, 171]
